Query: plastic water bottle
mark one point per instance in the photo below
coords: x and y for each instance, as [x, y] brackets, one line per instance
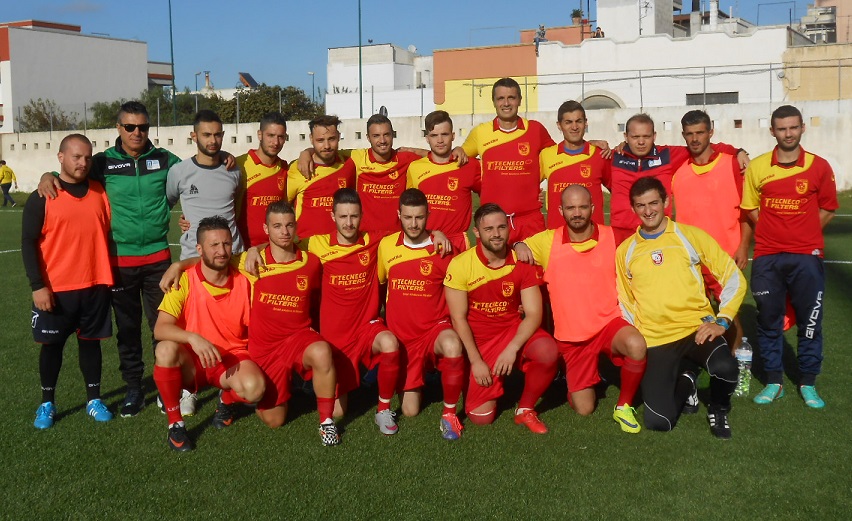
[744, 354]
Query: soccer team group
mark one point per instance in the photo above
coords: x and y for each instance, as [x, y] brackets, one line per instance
[309, 255]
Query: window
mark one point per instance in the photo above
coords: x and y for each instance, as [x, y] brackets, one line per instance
[738, 123]
[713, 98]
[248, 139]
[357, 135]
[171, 141]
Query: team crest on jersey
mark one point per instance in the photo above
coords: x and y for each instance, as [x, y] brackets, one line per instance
[425, 267]
[393, 175]
[524, 149]
[364, 258]
[453, 183]
[508, 288]
[341, 182]
[801, 186]
[302, 282]
[282, 183]
[657, 257]
[586, 171]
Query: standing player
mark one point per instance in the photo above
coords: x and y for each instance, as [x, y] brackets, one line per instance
[203, 334]
[575, 161]
[579, 260]
[484, 288]
[281, 340]
[662, 294]
[349, 309]
[791, 195]
[707, 190]
[447, 185]
[70, 290]
[203, 184]
[642, 157]
[416, 310]
[7, 177]
[264, 178]
[312, 197]
[509, 148]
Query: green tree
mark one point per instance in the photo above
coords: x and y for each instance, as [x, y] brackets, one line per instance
[43, 115]
[293, 102]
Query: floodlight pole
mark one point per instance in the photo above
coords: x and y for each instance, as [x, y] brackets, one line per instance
[172, 49]
[360, 67]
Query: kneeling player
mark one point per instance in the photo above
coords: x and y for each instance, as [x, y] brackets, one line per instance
[484, 288]
[203, 333]
[281, 339]
[579, 262]
[417, 313]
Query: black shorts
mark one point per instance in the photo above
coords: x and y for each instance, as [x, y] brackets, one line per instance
[86, 312]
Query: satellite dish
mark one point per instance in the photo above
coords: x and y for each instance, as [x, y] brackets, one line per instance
[383, 111]
[412, 49]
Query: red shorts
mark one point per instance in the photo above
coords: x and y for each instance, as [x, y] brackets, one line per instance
[205, 377]
[524, 226]
[418, 356]
[279, 364]
[475, 394]
[349, 359]
[581, 358]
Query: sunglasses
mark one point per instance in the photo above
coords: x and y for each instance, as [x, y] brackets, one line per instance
[131, 128]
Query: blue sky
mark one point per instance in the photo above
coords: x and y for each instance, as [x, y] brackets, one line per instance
[279, 42]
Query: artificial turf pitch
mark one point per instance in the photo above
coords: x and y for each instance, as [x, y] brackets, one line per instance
[785, 461]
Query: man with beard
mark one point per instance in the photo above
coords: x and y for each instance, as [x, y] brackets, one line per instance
[264, 178]
[662, 294]
[579, 260]
[484, 288]
[203, 184]
[312, 198]
[416, 311]
[790, 195]
[203, 333]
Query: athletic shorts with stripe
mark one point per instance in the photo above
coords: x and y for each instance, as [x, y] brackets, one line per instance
[280, 362]
[581, 358]
[418, 356]
[475, 394]
[348, 359]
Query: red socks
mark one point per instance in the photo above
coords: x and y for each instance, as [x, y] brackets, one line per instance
[540, 370]
[169, 384]
[325, 408]
[452, 381]
[387, 378]
[631, 376]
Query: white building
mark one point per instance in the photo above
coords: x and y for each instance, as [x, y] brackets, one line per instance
[58, 62]
[392, 77]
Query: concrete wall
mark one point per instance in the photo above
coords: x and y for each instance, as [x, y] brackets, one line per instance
[827, 123]
[409, 102]
[93, 69]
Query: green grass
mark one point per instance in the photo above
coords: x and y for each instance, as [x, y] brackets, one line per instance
[784, 462]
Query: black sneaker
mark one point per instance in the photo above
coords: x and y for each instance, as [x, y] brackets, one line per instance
[691, 404]
[133, 402]
[719, 425]
[224, 415]
[179, 439]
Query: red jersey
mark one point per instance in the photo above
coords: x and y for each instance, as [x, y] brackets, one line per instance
[350, 292]
[380, 184]
[562, 170]
[313, 198]
[415, 294]
[281, 299]
[260, 185]
[661, 162]
[493, 294]
[708, 196]
[74, 243]
[510, 163]
[789, 198]
[448, 189]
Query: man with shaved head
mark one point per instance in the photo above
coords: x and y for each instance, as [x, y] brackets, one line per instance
[579, 259]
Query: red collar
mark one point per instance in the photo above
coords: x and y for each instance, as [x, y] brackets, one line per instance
[800, 161]
[510, 258]
[520, 125]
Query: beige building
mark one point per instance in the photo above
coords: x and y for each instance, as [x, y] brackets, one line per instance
[819, 72]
